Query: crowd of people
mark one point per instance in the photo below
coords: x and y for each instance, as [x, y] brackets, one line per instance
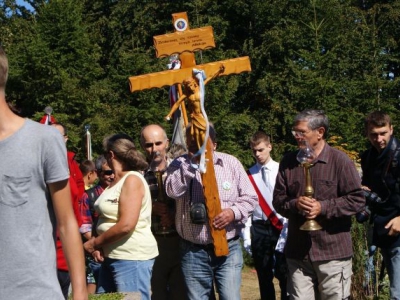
[134, 222]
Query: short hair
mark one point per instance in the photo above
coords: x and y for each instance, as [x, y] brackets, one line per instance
[157, 125]
[316, 118]
[212, 133]
[258, 137]
[377, 119]
[3, 69]
[100, 162]
[124, 149]
[176, 150]
[87, 166]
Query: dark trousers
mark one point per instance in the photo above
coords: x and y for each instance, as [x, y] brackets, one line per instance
[167, 281]
[268, 264]
[65, 281]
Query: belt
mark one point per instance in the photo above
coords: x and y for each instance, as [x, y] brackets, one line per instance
[261, 222]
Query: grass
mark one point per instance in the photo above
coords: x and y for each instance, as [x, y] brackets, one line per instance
[380, 291]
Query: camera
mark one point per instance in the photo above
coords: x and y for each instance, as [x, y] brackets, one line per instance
[371, 198]
[198, 213]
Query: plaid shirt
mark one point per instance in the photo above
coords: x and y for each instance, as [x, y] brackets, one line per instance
[337, 186]
[87, 211]
[183, 183]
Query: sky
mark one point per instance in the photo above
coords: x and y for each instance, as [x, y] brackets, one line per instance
[21, 2]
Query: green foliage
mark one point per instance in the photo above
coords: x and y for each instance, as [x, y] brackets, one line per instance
[109, 296]
[76, 56]
[361, 241]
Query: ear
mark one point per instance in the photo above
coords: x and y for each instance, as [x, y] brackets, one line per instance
[167, 144]
[321, 132]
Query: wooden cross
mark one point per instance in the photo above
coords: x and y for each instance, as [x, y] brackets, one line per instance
[184, 42]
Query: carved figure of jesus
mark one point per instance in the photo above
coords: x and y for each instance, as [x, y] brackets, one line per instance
[192, 94]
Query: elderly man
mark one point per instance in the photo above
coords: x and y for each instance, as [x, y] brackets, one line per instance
[200, 265]
[167, 279]
[319, 261]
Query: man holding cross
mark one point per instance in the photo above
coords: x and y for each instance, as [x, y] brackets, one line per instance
[200, 265]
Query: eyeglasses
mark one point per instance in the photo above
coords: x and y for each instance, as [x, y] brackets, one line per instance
[297, 133]
[107, 172]
[149, 145]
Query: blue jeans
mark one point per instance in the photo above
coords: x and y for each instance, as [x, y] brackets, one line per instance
[117, 275]
[369, 271]
[201, 267]
[391, 257]
[92, 271]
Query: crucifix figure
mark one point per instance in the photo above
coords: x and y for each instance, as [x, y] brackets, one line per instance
[193, 95]
[184, 42]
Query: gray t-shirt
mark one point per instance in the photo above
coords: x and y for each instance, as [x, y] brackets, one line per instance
[30, 158]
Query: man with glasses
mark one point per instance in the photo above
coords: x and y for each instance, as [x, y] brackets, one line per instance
[167, 279]
[89, 217]
[319, 262]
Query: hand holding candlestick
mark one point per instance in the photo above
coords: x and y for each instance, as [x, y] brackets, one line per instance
[161, 205]
[306, 156]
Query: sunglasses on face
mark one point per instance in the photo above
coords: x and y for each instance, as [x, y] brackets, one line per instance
[149, 145]
[108, 172]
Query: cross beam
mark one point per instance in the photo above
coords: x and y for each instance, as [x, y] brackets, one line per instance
[171, 77]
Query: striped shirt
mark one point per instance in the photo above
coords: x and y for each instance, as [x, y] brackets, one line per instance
[183, 183]
[337, 186]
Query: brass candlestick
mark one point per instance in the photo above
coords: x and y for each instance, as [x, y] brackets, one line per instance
[155, 164]
[305, 156]
[162, 199]
[309, 225]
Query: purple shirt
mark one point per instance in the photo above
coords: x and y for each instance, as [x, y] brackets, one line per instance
[183, 183]
[337, 186]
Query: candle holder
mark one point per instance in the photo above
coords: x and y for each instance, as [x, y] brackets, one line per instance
[161, 196]
[305, 156]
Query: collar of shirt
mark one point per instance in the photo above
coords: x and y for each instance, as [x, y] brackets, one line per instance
[325, 154]
[268, 165]
[216, 159]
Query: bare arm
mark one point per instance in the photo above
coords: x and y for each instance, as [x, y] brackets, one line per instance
[175, 107]
[130, 202]
[216, 74]
[70, 237]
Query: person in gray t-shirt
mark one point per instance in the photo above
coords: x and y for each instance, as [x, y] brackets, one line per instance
[34, 194]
